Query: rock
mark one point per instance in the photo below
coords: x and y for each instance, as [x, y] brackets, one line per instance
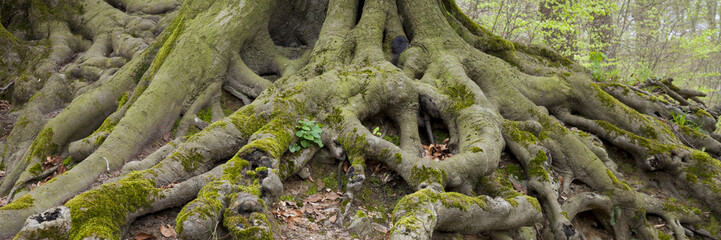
[272, 185]
[324, 157]
[54, 223]
[380, 228]
[360, 224]
[304, 173]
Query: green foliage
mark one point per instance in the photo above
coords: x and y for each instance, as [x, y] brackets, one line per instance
[596, 59]
[377, 131]
[640, 39]
[308, 132]
[682, 120]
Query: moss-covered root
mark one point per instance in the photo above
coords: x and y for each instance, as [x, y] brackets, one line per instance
[417, 215]
[103, 212]
[199, 218]
[154, 158]
[535, 160]
[51, 224]
[246, 218]
[191, 118]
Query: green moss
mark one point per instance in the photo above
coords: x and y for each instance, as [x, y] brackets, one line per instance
[513, 169]
[652, 146]
[205, 206]
[330, 182]
[36, 169]
[122, 99]
[398, 158]
[517, 135]
[536, 169]
[249, 231]
[335, 119]
[108, 125]
[663, 236]
[704, 168]
[233, 168]
[648, 132]
[460, 95]
[393, 139]
[205, 114]
[426, 174]
[168, 45]
[190, 159]
[700, 113]
[281, 132]
[476, 149]
[616, 182]
[101, 212]
[43, 144]
[313, 189]
[23, 202]
[675, 206]
[355, 146]
[100, 140]
[713, 225]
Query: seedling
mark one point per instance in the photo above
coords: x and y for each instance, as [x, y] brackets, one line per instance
[377, 131]
[308, 132]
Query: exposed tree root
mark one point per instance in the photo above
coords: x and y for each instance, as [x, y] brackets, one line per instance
[339, 63]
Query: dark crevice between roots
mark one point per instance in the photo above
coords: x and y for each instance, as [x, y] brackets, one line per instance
[116, 5]
[437, 133]
[359, 11]
[590, 226]
[384, 127]
[293, 28]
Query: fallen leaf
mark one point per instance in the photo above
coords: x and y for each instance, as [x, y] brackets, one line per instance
[168, 231]
[144, 236]
[332, 218]
[332, 196]
[314, 198]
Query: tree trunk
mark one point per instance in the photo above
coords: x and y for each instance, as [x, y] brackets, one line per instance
[109, 77]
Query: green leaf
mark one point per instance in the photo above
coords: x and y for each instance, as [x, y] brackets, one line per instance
[305, 144]
[293, 148]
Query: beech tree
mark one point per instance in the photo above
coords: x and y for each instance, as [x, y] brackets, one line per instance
[99, 80]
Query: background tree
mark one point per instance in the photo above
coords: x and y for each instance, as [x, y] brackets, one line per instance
[96, 81]
[640, 39]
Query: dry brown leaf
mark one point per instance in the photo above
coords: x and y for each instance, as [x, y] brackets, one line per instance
[168, 231]
[332, 218]
[144, 236]
[166, 137]
[332, 196]
[314, 198]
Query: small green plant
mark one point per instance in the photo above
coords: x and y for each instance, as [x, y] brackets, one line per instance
[681, 120]
[377, 131]
[308, 132]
